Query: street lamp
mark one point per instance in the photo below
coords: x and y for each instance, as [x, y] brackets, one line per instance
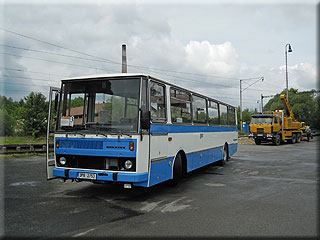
[287, 49]
[259, 78]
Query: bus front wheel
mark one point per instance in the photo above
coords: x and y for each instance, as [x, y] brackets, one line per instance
[177, 171]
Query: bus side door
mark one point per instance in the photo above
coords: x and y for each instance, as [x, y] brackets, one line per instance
[51, 123]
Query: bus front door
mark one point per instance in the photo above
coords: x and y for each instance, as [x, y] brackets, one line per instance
[51, 126]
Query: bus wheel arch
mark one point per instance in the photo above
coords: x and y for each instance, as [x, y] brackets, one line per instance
[184, 163]
[179, 168]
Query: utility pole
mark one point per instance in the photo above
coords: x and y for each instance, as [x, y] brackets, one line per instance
[124, 58]
[289, 49]
[259, 78]
[241, 104]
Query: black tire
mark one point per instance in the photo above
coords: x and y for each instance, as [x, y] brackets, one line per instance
[177, 172]
[277, 140]
[298, 138]
[225, 156]
[294, 139]
[257, 141]
[308, 138]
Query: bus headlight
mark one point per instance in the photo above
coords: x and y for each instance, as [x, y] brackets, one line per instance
[62, 160]
[128, 164]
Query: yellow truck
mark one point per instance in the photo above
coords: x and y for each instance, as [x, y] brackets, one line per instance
[276, 126]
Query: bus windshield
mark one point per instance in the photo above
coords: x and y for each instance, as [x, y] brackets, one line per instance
[261, 120]
[100, 105]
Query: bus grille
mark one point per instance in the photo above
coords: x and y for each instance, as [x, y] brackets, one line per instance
[81, 144]
[260, 130]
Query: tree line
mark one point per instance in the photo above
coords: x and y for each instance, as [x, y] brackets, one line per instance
[28, 117]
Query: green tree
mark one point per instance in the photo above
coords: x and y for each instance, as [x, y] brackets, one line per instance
[6, 123]
[8, 115]
[77, 102]
[35, 114]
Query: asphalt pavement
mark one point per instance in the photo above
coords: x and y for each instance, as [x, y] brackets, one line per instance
[263, 191]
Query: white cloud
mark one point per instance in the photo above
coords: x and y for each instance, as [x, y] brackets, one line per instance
[212, 58]
[100, 30]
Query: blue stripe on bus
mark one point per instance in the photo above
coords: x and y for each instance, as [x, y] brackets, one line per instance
[138, 179]
[162, 171]
[167, 128]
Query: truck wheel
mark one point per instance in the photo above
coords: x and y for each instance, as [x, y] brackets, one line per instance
[298, 137]
[294, 138]
[257, 141]
[276, 141]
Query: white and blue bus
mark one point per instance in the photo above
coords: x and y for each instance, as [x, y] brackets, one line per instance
[135, 130]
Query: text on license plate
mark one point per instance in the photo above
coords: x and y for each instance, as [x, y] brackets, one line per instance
[87, 175]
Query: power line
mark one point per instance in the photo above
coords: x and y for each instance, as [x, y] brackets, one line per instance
[181, 78]
[22, 91]
[41, 59]
[111, 61]
[35, 79]
[273, 85]
[25, 84]
[52, 53]
[21, 70]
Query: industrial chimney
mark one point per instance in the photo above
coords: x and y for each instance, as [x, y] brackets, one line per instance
[124, 58]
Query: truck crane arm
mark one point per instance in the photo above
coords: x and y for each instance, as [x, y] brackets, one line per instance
[286, 105]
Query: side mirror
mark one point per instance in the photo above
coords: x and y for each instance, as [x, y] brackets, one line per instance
[145, 118]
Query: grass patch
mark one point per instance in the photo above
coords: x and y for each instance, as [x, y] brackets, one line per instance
[23, 140]
[242, 133]
[20, 155]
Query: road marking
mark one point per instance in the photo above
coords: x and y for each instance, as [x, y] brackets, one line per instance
[215, 184]
[30, 183]
[253, 173]
[83, 233]
[174, 207]
[149, 206]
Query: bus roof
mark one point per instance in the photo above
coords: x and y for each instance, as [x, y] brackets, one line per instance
[117, 75]
[111, 75]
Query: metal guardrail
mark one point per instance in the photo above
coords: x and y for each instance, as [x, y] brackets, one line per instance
[24, 148]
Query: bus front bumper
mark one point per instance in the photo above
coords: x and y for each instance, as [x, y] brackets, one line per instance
[138, 179]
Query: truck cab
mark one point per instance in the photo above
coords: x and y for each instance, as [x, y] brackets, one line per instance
[266, 127]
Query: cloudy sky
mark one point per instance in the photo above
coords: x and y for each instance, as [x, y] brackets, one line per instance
[206, 46]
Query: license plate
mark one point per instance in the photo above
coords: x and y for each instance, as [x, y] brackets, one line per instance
[259, 135]
[92, 176]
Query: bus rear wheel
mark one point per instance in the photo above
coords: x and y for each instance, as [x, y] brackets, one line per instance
[177, 171]
[225, 156]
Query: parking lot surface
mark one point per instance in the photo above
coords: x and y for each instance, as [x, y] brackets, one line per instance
[263, 191]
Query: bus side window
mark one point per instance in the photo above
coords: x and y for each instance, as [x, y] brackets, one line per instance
[199, 110]
[213, 112]
[231, 116]
[157, 102]
[180, 104]
[223, 114]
